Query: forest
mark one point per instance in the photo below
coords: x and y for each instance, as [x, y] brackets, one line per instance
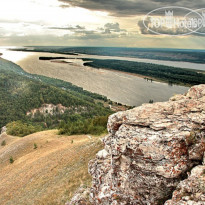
[168, 74]
[21, 92]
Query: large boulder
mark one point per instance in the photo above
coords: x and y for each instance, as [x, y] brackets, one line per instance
[149, 150]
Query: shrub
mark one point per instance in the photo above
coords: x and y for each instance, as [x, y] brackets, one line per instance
[35, 146]
[3, 143]
[21, 129]
[11, 160]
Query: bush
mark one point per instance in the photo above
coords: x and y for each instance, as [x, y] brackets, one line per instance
[35, 146]
[3, 143]
[21, 129]
[11, 160]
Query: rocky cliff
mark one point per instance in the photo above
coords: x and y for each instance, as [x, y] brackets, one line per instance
[150, 152]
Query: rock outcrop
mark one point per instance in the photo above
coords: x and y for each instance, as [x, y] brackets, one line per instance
[50, 109]
[81, 197]
[149, 150]
[149, 153]
[190, 191]
[3, 130]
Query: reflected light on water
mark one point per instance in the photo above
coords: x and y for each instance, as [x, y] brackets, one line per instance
[119, 87]
[14, 56]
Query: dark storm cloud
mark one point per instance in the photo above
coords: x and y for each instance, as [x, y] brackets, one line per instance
[115, 7]
[130, 7]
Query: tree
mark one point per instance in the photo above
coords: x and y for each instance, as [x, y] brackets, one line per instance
[11, 160]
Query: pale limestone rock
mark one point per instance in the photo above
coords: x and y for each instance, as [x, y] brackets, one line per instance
[150, 149]
[3, 130]
[81, 197]
[102, 154]
[191, 190]
[149, 152]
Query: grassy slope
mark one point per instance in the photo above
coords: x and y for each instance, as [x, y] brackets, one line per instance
[52, 172]
[46, 175]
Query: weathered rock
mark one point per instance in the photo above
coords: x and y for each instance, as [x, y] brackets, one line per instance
[149, 150]
[81, 197]
[3, 130]
[192, 190]
[51, 109]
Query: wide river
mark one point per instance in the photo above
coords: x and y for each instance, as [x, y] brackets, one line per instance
[120, 87]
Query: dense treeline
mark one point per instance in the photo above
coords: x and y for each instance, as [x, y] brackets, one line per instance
[21, 92]
[51, 58]
[95, 126]
[166, 73]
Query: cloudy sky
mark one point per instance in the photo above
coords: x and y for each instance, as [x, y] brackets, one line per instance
[88, 23]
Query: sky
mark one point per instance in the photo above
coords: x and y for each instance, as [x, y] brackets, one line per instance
[116, 23]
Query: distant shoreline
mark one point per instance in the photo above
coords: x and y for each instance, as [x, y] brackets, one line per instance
[158, 54]
[166, 62]
[120, 87]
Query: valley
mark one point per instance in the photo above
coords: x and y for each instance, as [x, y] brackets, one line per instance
[102, 102]
[119, 87]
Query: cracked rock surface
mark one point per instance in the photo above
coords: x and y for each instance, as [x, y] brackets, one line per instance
[149, 151]
[81, 197]
[190, 191]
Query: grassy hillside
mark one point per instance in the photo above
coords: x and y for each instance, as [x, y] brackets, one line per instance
[48, 172]
[9, 66]
[21, 92]
[45, 167]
